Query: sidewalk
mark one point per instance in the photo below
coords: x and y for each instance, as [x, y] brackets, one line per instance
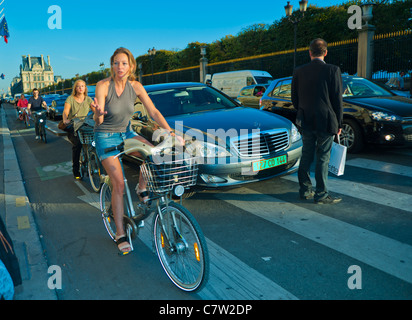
[21, 226]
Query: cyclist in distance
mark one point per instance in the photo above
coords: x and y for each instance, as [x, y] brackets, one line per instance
[22, 105]
[114, 106]
[36, 103]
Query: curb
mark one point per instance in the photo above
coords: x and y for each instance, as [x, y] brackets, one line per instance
[22, 228]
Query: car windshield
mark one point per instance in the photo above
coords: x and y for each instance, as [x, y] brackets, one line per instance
[176, 101]
[360, 87]
[263, 80]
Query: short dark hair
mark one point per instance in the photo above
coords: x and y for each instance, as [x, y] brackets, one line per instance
[318, 47]
[35, 89]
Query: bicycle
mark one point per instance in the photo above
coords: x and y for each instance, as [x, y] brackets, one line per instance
[89, 161]
[23, 115]
[40, 121]
[178, 239]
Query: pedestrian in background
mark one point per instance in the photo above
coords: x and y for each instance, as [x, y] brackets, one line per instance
[317, 96]
[36, 103]
[400, 81]
[77, 105]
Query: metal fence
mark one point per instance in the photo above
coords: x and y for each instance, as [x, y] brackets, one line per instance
[392, 54]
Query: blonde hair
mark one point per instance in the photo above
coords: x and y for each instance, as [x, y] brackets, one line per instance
[75, 85]
[132, 62]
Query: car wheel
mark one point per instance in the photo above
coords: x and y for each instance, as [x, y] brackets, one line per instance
[351, 136]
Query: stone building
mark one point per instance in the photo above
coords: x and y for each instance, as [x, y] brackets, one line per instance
[35, 72]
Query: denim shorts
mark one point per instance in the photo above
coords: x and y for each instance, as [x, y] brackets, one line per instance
[104, 140]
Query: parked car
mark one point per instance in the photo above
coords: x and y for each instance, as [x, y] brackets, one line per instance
[249, 96]
[56, 108]
[371, 114]
[235, 144]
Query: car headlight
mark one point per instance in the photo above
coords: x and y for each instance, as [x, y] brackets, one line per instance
[209, 150]
[206, 150]
[384, 116]
[294, 134]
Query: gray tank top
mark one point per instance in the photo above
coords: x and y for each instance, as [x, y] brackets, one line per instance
[119, 109]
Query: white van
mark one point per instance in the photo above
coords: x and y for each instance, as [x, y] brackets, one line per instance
[232, 82]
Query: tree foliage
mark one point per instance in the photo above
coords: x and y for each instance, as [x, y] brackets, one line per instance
[329, 23]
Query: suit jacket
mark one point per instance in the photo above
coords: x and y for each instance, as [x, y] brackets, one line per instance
[317, 96]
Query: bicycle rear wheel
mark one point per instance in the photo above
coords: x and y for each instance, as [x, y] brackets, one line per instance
[181, 247]
[94, 170]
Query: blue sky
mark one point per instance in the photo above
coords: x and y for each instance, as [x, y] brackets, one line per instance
[92, 30]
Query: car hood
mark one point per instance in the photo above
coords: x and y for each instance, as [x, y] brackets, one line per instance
[399, 105]
[225, 119]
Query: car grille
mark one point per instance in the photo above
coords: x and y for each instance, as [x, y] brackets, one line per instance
[262, 143]
[407, 119]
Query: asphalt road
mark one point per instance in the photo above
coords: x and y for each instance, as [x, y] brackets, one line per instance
[264, 242]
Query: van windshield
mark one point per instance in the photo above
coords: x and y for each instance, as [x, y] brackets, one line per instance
[263, 80]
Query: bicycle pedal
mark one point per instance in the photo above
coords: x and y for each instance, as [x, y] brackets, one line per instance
[141, 224]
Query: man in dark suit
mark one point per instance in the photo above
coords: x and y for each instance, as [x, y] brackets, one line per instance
[317, 96]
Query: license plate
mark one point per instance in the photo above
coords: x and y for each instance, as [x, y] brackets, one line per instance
[269, 163]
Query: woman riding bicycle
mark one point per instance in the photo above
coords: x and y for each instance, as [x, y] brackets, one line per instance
[77, 105]
[114, 106]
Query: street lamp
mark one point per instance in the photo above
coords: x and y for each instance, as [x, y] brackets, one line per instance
[151, 53]
[303, 4]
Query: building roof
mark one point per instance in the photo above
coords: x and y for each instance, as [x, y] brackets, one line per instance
[34, 61]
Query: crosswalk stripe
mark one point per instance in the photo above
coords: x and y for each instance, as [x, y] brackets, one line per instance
[388, 255]
[381, 166]
[230, 278]
[370, 193]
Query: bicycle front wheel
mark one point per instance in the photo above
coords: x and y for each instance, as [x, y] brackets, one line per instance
[83, 163]
[181, 247]
[43, 133]
[94, 171]
[106, 209]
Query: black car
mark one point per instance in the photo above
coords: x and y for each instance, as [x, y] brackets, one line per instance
[235, 144]
[371, 114]
[56, 108]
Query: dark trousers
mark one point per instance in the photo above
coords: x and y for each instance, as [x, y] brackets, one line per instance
[314, 145]
[36, 123]
[76, 149]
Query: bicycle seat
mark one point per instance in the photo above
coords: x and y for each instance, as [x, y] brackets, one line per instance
[133, 145]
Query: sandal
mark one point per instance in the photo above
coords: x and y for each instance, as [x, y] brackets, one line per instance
[142, 194]
[122, 244]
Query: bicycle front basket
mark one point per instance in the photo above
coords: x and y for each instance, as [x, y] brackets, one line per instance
[86, 136]
[163, 177]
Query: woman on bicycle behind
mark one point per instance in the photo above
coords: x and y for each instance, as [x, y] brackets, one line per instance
[114, 106]
[77, 105]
